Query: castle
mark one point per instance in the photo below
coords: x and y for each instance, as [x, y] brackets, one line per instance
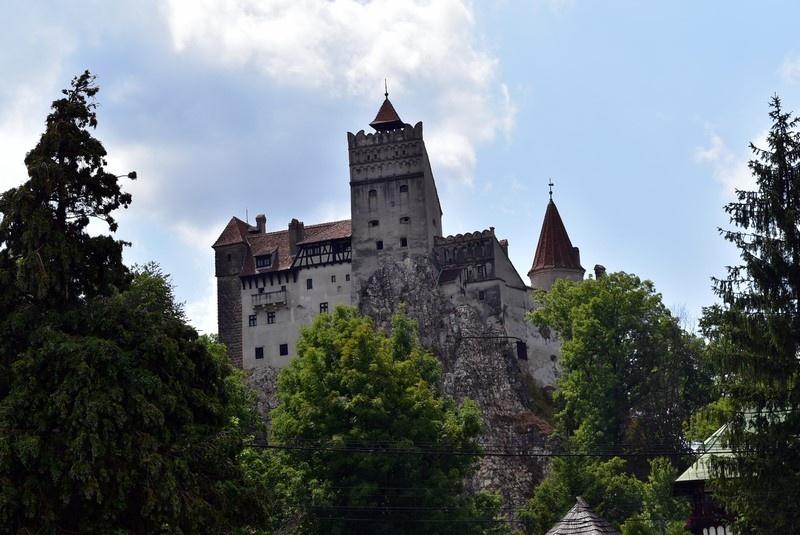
[269, 284]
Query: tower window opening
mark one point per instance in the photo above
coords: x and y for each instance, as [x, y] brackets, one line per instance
[283, 349]
[373, 199]
[405, 220]
[403, 242]
[404, 188]
[259, 353]
[374, 223]
[379, 245]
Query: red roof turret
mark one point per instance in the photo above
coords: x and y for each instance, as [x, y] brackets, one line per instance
[555, 249]
[387, 118]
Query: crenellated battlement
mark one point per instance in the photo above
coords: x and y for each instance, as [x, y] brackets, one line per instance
[362, 139]
[463, 238]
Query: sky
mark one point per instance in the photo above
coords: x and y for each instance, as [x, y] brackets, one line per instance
[640, 112]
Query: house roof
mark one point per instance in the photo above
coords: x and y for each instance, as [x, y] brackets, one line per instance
[581, 520]
[276, 243]
[712, 446]
[554, 249]
[387, 118]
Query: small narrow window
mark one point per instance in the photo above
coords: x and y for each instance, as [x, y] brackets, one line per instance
[229, 258]
[404, 188]
[309, 284]
[373, 199]
[270, 318]
[481, 295]
[405, 220]
[347, 277]
[323, 308]
[251, 320]
[283, 349]
[283, 287]
[374, 223]
[333, 278]
[379, 245]
[259, 353]
[403, 242]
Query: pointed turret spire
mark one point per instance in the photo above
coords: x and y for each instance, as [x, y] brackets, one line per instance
[555, 256]
[387, 118]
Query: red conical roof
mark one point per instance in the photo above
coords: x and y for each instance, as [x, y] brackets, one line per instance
[387, 118]
[555, 250]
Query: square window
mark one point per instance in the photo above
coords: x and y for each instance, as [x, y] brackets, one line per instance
[283, 349]
[403, 242]
[263, 261]
[283, 287]
[374, 223]
[251, 320]
[404, 188]
[379, 245]
[333, 278]
[347, 277]
[309, 284]
[270, 318]
[259, 353]
[323, 308]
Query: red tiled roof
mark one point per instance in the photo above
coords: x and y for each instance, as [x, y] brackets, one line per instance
[278, 243]
[387, 118]
[554, 250]
[235, 232]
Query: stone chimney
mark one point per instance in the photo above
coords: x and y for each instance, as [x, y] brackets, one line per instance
[296, 235]
[261, 223]
[599, 271]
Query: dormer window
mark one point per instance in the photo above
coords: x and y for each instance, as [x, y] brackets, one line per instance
[263, 261]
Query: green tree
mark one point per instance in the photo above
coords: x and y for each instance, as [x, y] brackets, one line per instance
[630, 377]
[630, 374]
[662, 514]
[114, 415]
[48, 255]
[364, 424]
[755, 337]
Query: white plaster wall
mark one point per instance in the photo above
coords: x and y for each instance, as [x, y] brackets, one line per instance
[301, 309]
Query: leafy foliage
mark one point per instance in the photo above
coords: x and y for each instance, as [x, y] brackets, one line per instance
[364, 415]
[755, 338]
[630, 377]
[114, 415]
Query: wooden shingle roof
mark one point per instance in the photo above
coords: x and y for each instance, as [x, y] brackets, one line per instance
[581, 520]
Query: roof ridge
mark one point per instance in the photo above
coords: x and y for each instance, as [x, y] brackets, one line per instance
[315, 225]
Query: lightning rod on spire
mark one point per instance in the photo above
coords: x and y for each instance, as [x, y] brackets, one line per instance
[551, 188]
[385, 88]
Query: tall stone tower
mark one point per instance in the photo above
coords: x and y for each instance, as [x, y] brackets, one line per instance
[555, 256]
[394, 205]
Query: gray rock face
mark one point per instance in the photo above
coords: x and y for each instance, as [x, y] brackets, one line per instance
[478, 364]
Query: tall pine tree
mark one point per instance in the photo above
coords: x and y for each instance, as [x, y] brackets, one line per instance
[756, 338]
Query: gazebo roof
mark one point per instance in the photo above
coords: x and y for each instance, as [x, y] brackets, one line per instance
[581, 520]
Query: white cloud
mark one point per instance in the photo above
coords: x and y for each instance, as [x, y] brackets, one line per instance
[202, 311]
[790, 69]
[728, 167]
[347, 47]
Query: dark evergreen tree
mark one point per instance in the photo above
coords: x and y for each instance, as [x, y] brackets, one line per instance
[114, 416]
[756, 339]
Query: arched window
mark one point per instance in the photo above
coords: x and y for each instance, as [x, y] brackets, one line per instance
[373, 200]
